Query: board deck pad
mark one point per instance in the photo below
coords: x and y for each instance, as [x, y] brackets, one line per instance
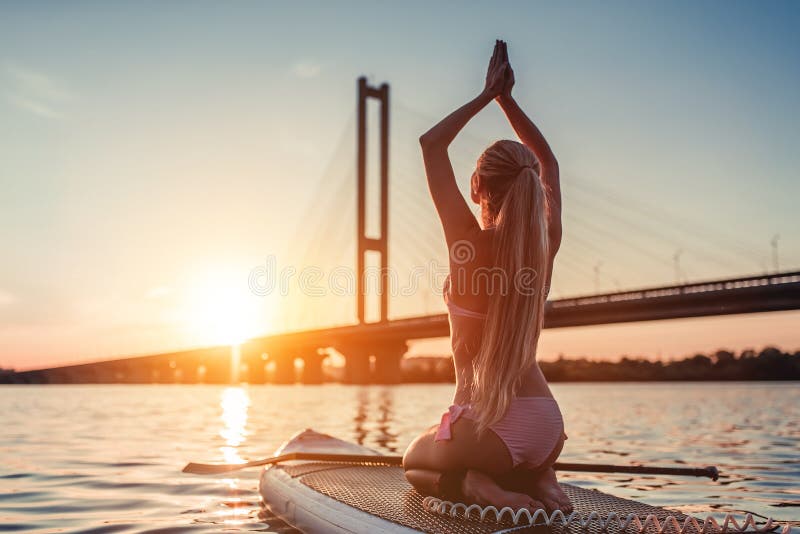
[381, 491]
[384, 492]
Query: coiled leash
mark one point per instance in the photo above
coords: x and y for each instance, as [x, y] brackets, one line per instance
[524, 519]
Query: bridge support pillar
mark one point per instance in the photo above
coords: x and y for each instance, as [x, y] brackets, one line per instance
[356, 366]
[105, 375]
[312, 367]
[364, 241]
[216, 371]
[136, 374]
[162, 372]
[387, 362]
[256, 370]
[255, 364]
[119, 371]
[284, 368]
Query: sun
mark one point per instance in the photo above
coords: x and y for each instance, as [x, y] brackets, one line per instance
[221, 310]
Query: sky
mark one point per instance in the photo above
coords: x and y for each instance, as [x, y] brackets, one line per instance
[155, 155]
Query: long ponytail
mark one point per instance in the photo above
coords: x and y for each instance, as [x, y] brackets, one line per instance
[516, 311]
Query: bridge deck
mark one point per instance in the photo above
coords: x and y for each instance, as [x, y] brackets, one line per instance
[388, 339]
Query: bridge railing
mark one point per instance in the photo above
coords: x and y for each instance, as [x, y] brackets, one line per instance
[686, 289]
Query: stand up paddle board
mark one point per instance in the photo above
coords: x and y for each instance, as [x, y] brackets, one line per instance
[324, 497]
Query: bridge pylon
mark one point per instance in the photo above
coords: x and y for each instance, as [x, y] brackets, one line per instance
[365, 242]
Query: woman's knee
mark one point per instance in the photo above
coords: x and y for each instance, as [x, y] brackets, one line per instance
[418, 453]
[443, 484]
[465, 450]
[410, 459]
[424, 481]
[427, 456]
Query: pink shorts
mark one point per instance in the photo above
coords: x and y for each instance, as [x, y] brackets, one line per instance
[531, 429]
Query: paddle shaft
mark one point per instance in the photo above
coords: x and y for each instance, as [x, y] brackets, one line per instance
[710, 471]
[205, 469]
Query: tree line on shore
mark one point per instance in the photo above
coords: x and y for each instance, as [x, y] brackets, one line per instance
[769, 364]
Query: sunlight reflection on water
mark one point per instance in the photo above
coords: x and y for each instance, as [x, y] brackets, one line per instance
[235, 402]
[80, 458]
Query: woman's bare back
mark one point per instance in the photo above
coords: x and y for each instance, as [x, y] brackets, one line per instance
[473, 277]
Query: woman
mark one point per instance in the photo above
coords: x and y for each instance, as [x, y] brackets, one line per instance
[498, 441]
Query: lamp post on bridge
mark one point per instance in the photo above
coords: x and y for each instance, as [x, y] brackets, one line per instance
[774, 243]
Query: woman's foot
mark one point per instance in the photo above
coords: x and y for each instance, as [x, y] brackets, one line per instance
[479, 488]
[544, 486]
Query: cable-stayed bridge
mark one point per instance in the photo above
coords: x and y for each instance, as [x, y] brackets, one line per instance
[605, 233]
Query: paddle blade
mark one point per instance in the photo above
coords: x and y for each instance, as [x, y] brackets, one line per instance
[211, 469]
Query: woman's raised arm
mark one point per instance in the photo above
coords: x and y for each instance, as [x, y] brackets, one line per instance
[531, 137]
[457, 219]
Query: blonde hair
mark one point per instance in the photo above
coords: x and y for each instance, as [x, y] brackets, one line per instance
[516, 201]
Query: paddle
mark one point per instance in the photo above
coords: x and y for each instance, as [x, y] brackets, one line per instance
[212, 469]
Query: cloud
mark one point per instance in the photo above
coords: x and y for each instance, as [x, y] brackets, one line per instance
[33, 91]
[306, 69]
[37, 108]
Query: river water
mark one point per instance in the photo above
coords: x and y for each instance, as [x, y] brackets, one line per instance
[108, 458]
